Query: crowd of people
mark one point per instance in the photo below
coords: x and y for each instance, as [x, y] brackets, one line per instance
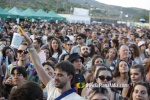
[74, 62]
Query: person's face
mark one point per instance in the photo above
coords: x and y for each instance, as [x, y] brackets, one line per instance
[140, 93]
[94, 35]
[137, 40]
[9, 53]
[35, 44]
[105, 45]
[46, 53]
[85, 51]
[124, 52]
[69, 45]
[17, 78]
[135, 75]
[112, 44]
[75, 37]
[77, 63]
[3, 42]
[98, 96]
[132, 36]
[123, 67]
[54, 44]
[143, 47]
[22, 53]
[98, 61]
[49, 70]
[116, 36]
[95, 42]
[132, 49]
[112, 53]
[104, 77]
[8, 42]
[80, 40]
[61, 78]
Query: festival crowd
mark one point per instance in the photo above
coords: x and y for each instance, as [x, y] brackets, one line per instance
[72, 61]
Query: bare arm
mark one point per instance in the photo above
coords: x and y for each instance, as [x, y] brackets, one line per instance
[45, 78]
[125, 92]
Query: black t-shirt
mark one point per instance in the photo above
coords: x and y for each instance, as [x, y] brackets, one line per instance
[79, 83]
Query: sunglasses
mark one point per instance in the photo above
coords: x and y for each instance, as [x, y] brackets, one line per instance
[22, 51]
[69, 44]
[79, 38]
[102, 77]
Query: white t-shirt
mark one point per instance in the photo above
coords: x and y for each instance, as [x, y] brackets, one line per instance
[55, 55]
[70, 37]
[53, 93]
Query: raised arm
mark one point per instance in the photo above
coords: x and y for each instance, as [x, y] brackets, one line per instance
[44, 77]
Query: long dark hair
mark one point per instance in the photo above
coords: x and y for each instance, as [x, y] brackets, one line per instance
[4, 53]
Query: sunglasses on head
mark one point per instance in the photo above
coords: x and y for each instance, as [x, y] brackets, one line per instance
[102, 77]
[69, 44]
[22, 51]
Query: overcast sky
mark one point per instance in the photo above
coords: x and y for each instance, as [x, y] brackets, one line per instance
[145, 4]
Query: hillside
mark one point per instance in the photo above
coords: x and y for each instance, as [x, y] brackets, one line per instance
[63, 6]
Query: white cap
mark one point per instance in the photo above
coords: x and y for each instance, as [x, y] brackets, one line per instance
[141, 43]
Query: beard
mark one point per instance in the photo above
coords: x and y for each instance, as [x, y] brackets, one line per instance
[85, 55]
[60, 84]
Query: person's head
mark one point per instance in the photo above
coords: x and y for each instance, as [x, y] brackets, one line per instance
[75, 37]
[137, 73]
[28, 91]
[104, 75]
[135, 50]
[64, 57]
[55, 46]
[115, 35]
[105, 45]
[22, 52]
[124, 52]
[142, 45]
[114, 43]
[94, 35]
[19, 75]
[81, 38]
[121, 68]
[63, 74]
[53, 61]
[96, 60]
[49, 68]
[7, 51]
[76, 60]
[37, 43]
[3, 41]
[137, 39]
[112, 53]
[95, 42]
[99, 93]
[68, 45]
[84, 50]
[140, 91]
[91, 49]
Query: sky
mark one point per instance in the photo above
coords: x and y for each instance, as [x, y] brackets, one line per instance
[145, 4]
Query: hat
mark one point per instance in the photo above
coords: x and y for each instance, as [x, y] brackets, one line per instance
[74, 56]
[141, 43]
[82, 35]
